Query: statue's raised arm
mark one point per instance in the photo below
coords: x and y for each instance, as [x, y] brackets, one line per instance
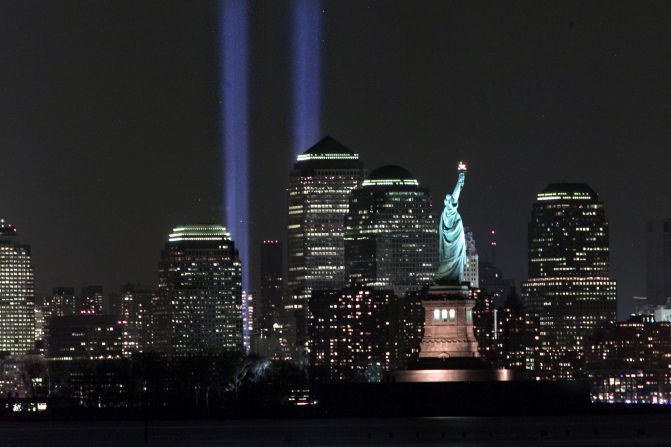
[459, 185]
[451, 239]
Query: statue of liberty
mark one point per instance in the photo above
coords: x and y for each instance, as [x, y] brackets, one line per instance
[451, 239]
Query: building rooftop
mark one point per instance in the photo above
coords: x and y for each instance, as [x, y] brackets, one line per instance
[567, 191]
[389, 175]
[328, 148]
[199, 232]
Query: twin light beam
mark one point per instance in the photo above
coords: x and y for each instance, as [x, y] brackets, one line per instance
[306, 40]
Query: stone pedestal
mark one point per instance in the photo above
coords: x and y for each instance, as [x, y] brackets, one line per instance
[448, 323]
[449, 349]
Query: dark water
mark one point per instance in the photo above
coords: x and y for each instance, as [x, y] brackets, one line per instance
[612, 430]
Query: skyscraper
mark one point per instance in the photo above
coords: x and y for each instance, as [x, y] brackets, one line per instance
[270, 319]
[319, 188]
[569, 291]
[269, 300]
[17, 294]
[199, 309]
[390, 233]
[658, 261]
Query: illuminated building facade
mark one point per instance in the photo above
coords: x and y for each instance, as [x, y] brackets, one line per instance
[352, 334]
[630, 362]
[13, 373]
[658, 262]
[484, 325]
[410, 327]
[247, 320]
[136, 315]
[390, 233]
[471, 269]
[90, 301]
[40, 327]
[17, 294]
[569, 292]
[84, 337]
[515, 337]
[662, 312]
[319, 188]
[199, 310]
[61, 302]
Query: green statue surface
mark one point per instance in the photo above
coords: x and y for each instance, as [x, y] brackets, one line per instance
[451, 239]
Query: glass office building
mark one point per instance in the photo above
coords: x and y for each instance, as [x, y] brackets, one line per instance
[199, 310]
[17, 294]
[390, 233]
[569, 292]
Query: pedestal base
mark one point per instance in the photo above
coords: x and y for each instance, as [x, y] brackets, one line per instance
[448, 323]
[449, 350]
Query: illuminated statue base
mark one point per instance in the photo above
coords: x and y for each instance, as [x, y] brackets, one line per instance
[448, 323]
[449, 349]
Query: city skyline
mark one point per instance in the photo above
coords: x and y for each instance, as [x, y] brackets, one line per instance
[366, 169]
[100, 139]
[445, 221]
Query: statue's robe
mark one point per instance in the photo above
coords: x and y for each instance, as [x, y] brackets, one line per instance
[452, 245]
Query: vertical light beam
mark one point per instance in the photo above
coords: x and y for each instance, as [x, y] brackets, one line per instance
[233, 65]
[306, 53]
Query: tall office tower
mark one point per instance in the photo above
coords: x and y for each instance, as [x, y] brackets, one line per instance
[90, 301]
[390, 233]
[353, 334]
[471, 269]
[319, 187]
[61, 303]
[271, 322]
[569, 291]
[136, 313]
[17, 294]
[200, 306]
[658, 262]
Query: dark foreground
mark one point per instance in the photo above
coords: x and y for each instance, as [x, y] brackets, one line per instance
[584, 430]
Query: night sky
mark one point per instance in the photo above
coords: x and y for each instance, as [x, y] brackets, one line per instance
[109, 119]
